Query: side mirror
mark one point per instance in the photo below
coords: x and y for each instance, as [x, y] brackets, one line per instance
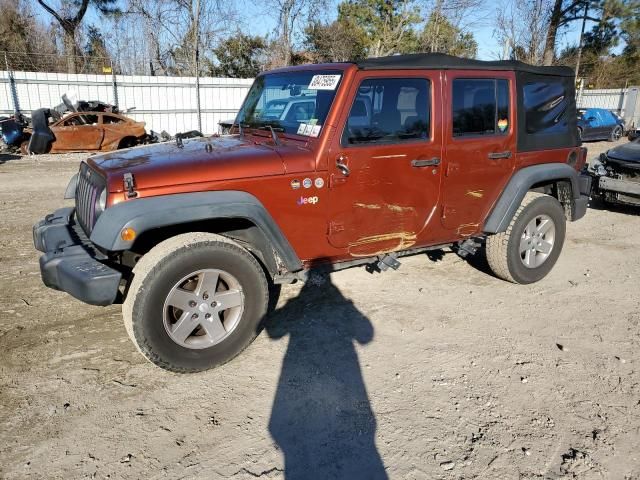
[590, 119]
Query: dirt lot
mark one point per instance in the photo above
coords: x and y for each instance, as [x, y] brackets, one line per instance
[438, 370]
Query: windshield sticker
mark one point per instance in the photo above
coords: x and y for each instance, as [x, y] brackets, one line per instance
[324, 82]
[503, 123]
[306, 183]
[318, 182]
[309, 130]
[295, 184]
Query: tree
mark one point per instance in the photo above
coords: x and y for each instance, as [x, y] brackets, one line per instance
[566, 11]
[521, 28]
[170, 28]
[338, 41]
[240, 56]
[69, 22]
[27, 43]
[388, 25]
[289, 14]
[441, 36]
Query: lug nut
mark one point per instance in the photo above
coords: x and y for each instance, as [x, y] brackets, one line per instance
[214, 304]
[207, 316]
[205, 295]
[194, 316]
[192, 303]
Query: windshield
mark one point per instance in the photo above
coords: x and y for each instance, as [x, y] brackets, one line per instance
[290, 102]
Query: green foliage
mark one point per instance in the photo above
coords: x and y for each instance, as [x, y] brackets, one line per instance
[240, 56]
[387, 26]
[338, 41]
[440, 35]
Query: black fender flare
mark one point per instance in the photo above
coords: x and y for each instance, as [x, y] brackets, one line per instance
[518, 186]
[143, 214]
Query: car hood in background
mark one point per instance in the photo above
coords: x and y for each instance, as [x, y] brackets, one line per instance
[626, 155]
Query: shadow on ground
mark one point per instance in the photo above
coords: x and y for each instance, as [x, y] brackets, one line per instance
[321, 417]
[5, 157]
[599, 204]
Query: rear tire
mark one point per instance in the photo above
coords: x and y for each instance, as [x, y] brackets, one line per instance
[195, 302]
[529, 248]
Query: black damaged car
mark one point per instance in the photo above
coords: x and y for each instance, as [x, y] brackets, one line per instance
[617, 174]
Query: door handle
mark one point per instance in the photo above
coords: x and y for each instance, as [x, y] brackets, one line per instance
[342, 166]
[432, 162]
[499, 155]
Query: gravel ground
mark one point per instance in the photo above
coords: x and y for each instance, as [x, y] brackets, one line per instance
[437, 370]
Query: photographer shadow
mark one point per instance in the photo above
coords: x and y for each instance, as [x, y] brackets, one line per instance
[321, 417]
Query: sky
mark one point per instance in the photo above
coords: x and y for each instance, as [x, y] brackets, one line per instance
[257, 22]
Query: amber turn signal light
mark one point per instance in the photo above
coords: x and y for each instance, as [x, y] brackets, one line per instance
[128, 234]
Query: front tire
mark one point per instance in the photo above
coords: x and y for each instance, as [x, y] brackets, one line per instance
[529, 248]
[616, 134]
[195, 302]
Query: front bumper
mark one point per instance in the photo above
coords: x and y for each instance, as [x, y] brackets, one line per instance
[70, 262]
[619, 185]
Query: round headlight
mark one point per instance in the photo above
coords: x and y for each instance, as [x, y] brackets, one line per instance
[102, 201]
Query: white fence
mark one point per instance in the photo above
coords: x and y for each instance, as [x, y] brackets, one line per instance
[164, 103]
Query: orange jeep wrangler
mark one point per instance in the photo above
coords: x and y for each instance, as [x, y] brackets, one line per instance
[332, 166]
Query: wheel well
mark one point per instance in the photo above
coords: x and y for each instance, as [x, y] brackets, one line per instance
[244, 231]
[561, 189]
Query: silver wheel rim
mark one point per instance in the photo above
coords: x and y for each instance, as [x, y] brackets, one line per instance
[617, 133]
[537, 241]
[203, 308]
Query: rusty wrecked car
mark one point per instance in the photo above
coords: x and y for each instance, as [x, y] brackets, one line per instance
[393, 157]
[83, 131]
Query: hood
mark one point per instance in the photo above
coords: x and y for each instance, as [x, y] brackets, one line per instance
[199, 160]
[626, 155]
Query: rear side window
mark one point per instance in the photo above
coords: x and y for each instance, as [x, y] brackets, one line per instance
[545, 106]
[480, 107]
[389, 110]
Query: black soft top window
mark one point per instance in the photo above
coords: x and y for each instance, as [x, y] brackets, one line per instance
[546, 112]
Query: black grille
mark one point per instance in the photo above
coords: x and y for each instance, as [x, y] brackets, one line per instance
[88, 190]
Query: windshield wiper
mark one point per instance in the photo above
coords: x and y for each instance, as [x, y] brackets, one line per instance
[274, 135]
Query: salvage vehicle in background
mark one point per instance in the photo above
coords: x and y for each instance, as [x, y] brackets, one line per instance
[12, 130]
[400, 155]
[82, 131]
[617, 174]
[599, 124]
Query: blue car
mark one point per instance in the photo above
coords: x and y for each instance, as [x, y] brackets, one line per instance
[599, 124]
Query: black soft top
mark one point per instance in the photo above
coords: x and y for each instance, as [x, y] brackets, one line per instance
[440, 61]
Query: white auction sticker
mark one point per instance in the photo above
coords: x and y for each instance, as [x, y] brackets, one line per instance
[315, 131]
[324, 82]
[301, 128]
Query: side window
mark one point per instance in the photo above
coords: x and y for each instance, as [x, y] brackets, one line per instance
[545, 106]
[389, 110]
[480, 107]
[111, 119]
[81, 119]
